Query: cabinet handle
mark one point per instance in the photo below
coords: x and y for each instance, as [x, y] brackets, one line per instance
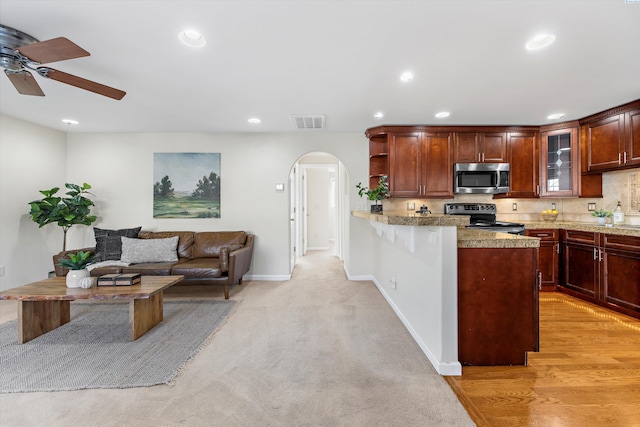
[482, 157]
[595, 254]
[542, 235]
[599, 254]
[558, 248]
[619, 156]
[538, 189]
[479, 158]
[539, 280]
[625, 157]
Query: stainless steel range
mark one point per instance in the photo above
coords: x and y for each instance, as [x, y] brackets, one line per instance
[483, 216]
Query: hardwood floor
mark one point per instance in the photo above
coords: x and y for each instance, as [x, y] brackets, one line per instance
[587, 373]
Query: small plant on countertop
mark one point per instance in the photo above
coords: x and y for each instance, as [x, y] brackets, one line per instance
[602, 213]
[375, 194]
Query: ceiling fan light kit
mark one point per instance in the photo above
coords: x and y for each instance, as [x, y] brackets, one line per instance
[21, 53]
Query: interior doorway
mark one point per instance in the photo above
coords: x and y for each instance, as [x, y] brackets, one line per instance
[317, 202]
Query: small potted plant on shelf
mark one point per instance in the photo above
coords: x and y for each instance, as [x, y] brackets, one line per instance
[375, 194]
[77, 265]
[602, 215]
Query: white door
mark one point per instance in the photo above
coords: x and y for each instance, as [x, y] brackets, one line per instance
[292, 219]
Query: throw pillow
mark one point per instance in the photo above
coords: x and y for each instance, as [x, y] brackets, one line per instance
[136, 251]
[108, 243]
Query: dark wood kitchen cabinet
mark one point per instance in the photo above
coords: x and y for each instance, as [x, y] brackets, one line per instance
[378, 159]
[421, 165]
[611, 139]
[549, 254]
[497, 305]
[559, 162]
[603, 268]
[480, 147]
[523, 154]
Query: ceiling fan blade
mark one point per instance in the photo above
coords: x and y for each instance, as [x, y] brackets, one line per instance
[53, 50]
[24, 83]
[85, 84]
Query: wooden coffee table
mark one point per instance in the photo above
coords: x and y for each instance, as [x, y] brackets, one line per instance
[45, 305]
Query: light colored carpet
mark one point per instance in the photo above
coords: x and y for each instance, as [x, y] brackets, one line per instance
[317, 350]
[94, 349]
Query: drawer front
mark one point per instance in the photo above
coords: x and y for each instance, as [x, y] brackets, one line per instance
[585, 237]
[625, 243]
[550, 234]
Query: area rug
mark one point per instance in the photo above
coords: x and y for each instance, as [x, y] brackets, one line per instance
[94, 349]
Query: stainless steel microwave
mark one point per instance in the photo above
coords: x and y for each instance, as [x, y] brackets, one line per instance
[481, 178]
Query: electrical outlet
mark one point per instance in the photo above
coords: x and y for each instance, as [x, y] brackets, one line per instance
[392, 282]
[591, 207]
[514, 207]
[411, 206]
[1, 270]
[553, 206]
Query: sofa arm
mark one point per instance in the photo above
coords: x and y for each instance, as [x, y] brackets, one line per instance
[240, 261]
[61, 271]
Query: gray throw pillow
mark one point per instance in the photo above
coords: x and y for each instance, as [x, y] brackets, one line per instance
[108, 243]
[136, 251]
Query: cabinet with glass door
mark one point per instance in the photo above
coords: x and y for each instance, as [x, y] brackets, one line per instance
[559, 162]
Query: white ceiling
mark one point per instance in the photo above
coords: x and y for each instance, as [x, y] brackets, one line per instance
[271, 59]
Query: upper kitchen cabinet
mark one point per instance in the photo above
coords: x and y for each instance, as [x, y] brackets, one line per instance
[523, 148]
[378, 158]
[420, 164]
[611, 139]
[480, 147]
[559, 161]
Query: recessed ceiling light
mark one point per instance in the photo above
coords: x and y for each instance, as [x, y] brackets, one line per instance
[378, 115]
[407, 76]
[70, 121]
[540, 41]
[254, 121]
[442, 114]
[192, 38]
[555, 116]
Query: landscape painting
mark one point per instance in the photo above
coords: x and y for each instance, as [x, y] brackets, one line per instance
[186, 185]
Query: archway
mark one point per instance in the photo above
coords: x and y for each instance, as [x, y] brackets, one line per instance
[317, 205]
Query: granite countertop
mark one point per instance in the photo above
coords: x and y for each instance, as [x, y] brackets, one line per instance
[627, 230]
[474, 238]
[467, 237]
[412, 218]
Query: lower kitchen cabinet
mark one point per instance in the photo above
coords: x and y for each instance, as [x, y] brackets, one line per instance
[497, 305]
[604, 269]
[549, 253]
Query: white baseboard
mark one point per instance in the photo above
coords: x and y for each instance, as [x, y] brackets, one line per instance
[443, 368]
[267, 277]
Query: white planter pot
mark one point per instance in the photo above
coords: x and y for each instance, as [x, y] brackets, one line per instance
[601, 221]
[75, 276]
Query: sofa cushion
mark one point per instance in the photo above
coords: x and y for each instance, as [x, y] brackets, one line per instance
[150, 268]
[108, 243]
[137, 251]
[208, 243]
[185, 240]
[198, 268]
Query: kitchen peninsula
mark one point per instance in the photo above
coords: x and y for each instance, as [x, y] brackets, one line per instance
[458, 291]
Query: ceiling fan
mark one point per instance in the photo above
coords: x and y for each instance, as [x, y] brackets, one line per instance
[21, 53]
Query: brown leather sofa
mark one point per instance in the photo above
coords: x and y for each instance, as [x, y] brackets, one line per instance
[205, 257]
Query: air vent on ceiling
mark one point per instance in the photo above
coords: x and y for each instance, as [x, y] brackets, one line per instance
[308, 121]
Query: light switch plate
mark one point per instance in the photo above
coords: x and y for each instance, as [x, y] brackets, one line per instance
[591, 207]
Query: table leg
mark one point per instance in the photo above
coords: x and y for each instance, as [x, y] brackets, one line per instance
[144, 314]
[39, 317]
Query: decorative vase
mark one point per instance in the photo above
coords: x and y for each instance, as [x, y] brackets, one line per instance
[601, 220]
[376, 208]
[75, 276]
[86, 282]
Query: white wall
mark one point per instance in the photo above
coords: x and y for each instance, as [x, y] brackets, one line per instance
[32, 158]
[120, 169]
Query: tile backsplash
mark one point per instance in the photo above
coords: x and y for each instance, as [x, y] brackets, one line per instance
[615, 187]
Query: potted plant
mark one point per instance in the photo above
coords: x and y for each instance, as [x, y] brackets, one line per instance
[601, 215]
[64, 211]
[375, 194]
[77, 265]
